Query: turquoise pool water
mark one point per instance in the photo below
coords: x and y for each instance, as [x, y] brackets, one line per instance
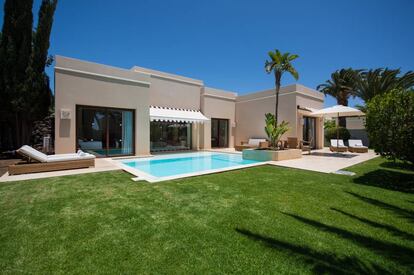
[165, 166]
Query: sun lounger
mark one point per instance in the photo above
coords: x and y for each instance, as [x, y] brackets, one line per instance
[253, 143]
[337, 145]
[356, 146]
[38, 162]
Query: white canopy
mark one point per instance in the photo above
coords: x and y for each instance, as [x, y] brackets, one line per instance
[338, 111]
[176, 115]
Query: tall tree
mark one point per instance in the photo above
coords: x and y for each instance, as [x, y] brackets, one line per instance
[342, 86]
[24, 85]
[379, 81]
[15, 52]
[38, 81]
[279, 64]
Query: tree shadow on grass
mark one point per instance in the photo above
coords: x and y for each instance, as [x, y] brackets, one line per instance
[397, 253]
[398, 165]
[391, 229]
[388, 179]
[321, 262]
[401, 212]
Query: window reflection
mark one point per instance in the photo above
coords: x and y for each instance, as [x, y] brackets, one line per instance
[170, 136]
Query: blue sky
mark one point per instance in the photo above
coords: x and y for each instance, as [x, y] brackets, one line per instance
[225, 43]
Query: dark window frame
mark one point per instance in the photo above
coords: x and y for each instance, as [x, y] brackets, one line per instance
[103, 108]
[218, 132]
[174, 150]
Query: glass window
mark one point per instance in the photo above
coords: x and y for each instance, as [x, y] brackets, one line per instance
[219, 133]
[309, 130]
[170, 136]
[105, 131]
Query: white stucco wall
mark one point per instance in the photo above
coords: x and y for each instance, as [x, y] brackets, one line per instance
[83, 83]
[217, 104]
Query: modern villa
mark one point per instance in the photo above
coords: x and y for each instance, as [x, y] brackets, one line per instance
[111, 111]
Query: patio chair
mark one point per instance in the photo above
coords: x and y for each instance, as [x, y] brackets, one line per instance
[356, 146]
[252, 143]
[337, 145]
[292, 142]
[38, 162]
[306, 145]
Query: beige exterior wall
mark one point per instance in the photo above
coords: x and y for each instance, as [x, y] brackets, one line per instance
[355, 123]
[217, 104]
[307, 98]
[168, 90]
[84, 83]
[251, 110]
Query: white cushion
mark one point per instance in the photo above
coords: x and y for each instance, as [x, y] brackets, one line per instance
[33, 153]
[355, 143]
[67, 157]
[39, 156]
[256, 141]
[81, 153]
[337, 143]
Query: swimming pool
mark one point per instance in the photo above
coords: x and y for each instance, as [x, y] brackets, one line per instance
[173, 166]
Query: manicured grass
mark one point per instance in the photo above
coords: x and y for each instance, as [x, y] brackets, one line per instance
[258, 220]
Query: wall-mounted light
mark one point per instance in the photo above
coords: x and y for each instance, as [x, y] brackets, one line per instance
[65, 114]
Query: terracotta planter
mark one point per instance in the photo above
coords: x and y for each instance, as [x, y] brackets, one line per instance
[267, 155]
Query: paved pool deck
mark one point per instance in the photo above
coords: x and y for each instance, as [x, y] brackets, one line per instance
[319, 161]
[325, 161]
[101, 165]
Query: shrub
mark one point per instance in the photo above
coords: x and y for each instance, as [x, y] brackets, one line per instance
[330, 133]
[274, 133]
[390, 124]
[329, 124]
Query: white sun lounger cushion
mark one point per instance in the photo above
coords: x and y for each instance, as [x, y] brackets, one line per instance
[337, 143]
[356, 143]
[39, 156]
[256, 141]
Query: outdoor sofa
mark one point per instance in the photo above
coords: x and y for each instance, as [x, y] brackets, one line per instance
[38, 162]
[252, 143]
[356, 146]
[337, 145]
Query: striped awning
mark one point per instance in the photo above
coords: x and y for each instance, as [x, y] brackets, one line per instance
[176, 115]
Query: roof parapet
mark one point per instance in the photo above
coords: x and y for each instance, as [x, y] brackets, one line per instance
[168, 76]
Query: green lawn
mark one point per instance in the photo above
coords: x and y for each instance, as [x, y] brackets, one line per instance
[258, 220]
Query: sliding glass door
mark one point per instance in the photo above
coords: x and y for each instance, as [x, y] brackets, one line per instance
[105, 131]
[309, 130]
[170, 136]
[219, 133]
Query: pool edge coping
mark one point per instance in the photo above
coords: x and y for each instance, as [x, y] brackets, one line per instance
[140, 176]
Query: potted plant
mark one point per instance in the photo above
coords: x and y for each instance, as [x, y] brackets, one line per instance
[274, 132]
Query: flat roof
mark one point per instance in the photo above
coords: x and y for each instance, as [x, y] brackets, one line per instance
[143, 75]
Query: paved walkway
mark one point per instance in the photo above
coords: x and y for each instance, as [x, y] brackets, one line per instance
[320, 161]
[101, 165]
[325, 161]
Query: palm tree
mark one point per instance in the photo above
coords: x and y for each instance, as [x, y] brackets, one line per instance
[380, 81]
[279, 64]
[342, 86]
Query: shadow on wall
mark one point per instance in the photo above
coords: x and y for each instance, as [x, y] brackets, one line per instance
[360, 134]
[355, 134]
